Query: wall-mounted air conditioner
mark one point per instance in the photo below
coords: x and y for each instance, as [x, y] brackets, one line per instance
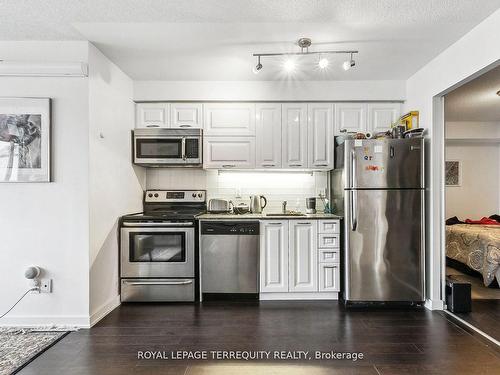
[43, 69]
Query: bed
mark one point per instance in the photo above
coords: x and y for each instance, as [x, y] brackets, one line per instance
[476, 246]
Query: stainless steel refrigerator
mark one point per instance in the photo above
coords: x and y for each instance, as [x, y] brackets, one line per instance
[378, 185]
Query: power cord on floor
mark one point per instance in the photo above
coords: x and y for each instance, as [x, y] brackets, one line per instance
[19, 300]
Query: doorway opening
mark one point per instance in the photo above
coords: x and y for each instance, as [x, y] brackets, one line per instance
[472, 196]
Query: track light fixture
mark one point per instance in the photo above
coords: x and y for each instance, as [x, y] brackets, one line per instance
[257, 68]
[304, 43]
[289, 65]
[323, 62]
[348, 64]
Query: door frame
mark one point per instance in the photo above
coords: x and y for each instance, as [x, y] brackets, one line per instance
[436, 199]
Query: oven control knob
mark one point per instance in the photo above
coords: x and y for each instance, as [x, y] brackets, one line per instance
[156, 195]
[150, 195]
[194, 195]
[200, 195]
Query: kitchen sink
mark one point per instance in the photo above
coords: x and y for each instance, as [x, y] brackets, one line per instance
[287, 214]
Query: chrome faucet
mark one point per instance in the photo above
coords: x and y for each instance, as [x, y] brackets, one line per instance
[283, 207]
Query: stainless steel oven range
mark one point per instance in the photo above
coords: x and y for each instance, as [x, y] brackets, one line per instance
[158, 248]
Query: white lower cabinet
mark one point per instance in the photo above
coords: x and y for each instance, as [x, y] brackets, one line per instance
[293, 262]
[329, 276]
[303, 254]
[274, 256]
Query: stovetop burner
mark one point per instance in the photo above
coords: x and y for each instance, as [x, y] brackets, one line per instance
[169, 205]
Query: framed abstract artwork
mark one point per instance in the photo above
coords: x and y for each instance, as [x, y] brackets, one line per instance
[453, 173]
[25, 140]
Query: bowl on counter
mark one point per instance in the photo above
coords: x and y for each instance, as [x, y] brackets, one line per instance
[241, 208]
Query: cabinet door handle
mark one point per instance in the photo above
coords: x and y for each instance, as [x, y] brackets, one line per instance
[185, 126]
[228, 165]
[321, 165]
[152, 126]
[268, 165]
[295, 165]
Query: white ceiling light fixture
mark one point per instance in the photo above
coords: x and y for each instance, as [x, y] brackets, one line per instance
[304, 43]
[348, 64]
[323, 62]
[289, 65]
[43, 69]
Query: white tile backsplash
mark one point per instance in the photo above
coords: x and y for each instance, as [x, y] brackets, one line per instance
[293, 187]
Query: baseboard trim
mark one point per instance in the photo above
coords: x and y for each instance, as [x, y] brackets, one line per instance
[57, 322]
[104, 310]
[298, 296]
[431, 304]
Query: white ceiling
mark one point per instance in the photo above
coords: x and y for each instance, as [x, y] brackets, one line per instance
[214, 39]
[476, 100]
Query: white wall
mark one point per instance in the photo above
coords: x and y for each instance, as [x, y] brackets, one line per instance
[115, 185]
[477, 196]
[269, 90]
[475, 51]
[46, 224]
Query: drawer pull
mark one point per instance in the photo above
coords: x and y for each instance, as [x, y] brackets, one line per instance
[186, 282]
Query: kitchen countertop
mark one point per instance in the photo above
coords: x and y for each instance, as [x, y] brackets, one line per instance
[263, 216]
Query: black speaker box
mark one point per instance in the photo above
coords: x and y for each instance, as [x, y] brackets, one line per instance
[458, 295]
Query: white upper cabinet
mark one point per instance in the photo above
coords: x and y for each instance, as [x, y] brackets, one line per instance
[229, 119]
[350, 117]
[268, 136]
[228, 152]
[152, 115]
[274, 256]
[186, 115]
[294, 135]
[382, 115]
[320, 135]
[303, 258]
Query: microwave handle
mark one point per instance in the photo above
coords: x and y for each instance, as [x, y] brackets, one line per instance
[183, 148]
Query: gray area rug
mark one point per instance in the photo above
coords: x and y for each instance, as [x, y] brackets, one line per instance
[19, 346]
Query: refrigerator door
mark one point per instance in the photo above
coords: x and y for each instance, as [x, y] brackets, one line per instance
[384, 164]
[384, 245]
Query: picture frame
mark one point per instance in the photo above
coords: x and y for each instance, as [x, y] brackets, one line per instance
[453, 173]
[25, 140]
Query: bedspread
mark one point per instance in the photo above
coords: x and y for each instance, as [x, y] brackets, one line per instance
[477, 246]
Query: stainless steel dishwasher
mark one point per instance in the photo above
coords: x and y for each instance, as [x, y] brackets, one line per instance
[229, 258]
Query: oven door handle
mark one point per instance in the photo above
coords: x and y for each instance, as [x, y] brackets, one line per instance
[185, 282]
[162, 224]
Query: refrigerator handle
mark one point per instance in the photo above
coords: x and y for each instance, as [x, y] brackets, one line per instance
[354, 210]
[353, 169]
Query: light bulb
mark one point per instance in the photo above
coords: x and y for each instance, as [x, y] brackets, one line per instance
[323, 63]
[348, 64]
[289, 65]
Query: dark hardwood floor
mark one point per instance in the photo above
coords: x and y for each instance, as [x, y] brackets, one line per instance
[485, 316]
[393, 342]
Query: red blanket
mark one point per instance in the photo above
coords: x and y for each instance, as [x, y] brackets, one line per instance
[483, 221]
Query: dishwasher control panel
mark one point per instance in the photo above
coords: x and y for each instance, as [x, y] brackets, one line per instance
[240, 228]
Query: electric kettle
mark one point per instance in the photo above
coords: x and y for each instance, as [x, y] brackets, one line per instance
[256, 205]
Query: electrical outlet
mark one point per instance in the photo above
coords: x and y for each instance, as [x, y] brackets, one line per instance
[46, 286]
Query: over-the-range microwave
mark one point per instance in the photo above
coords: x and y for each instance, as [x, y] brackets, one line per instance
[167, 147]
